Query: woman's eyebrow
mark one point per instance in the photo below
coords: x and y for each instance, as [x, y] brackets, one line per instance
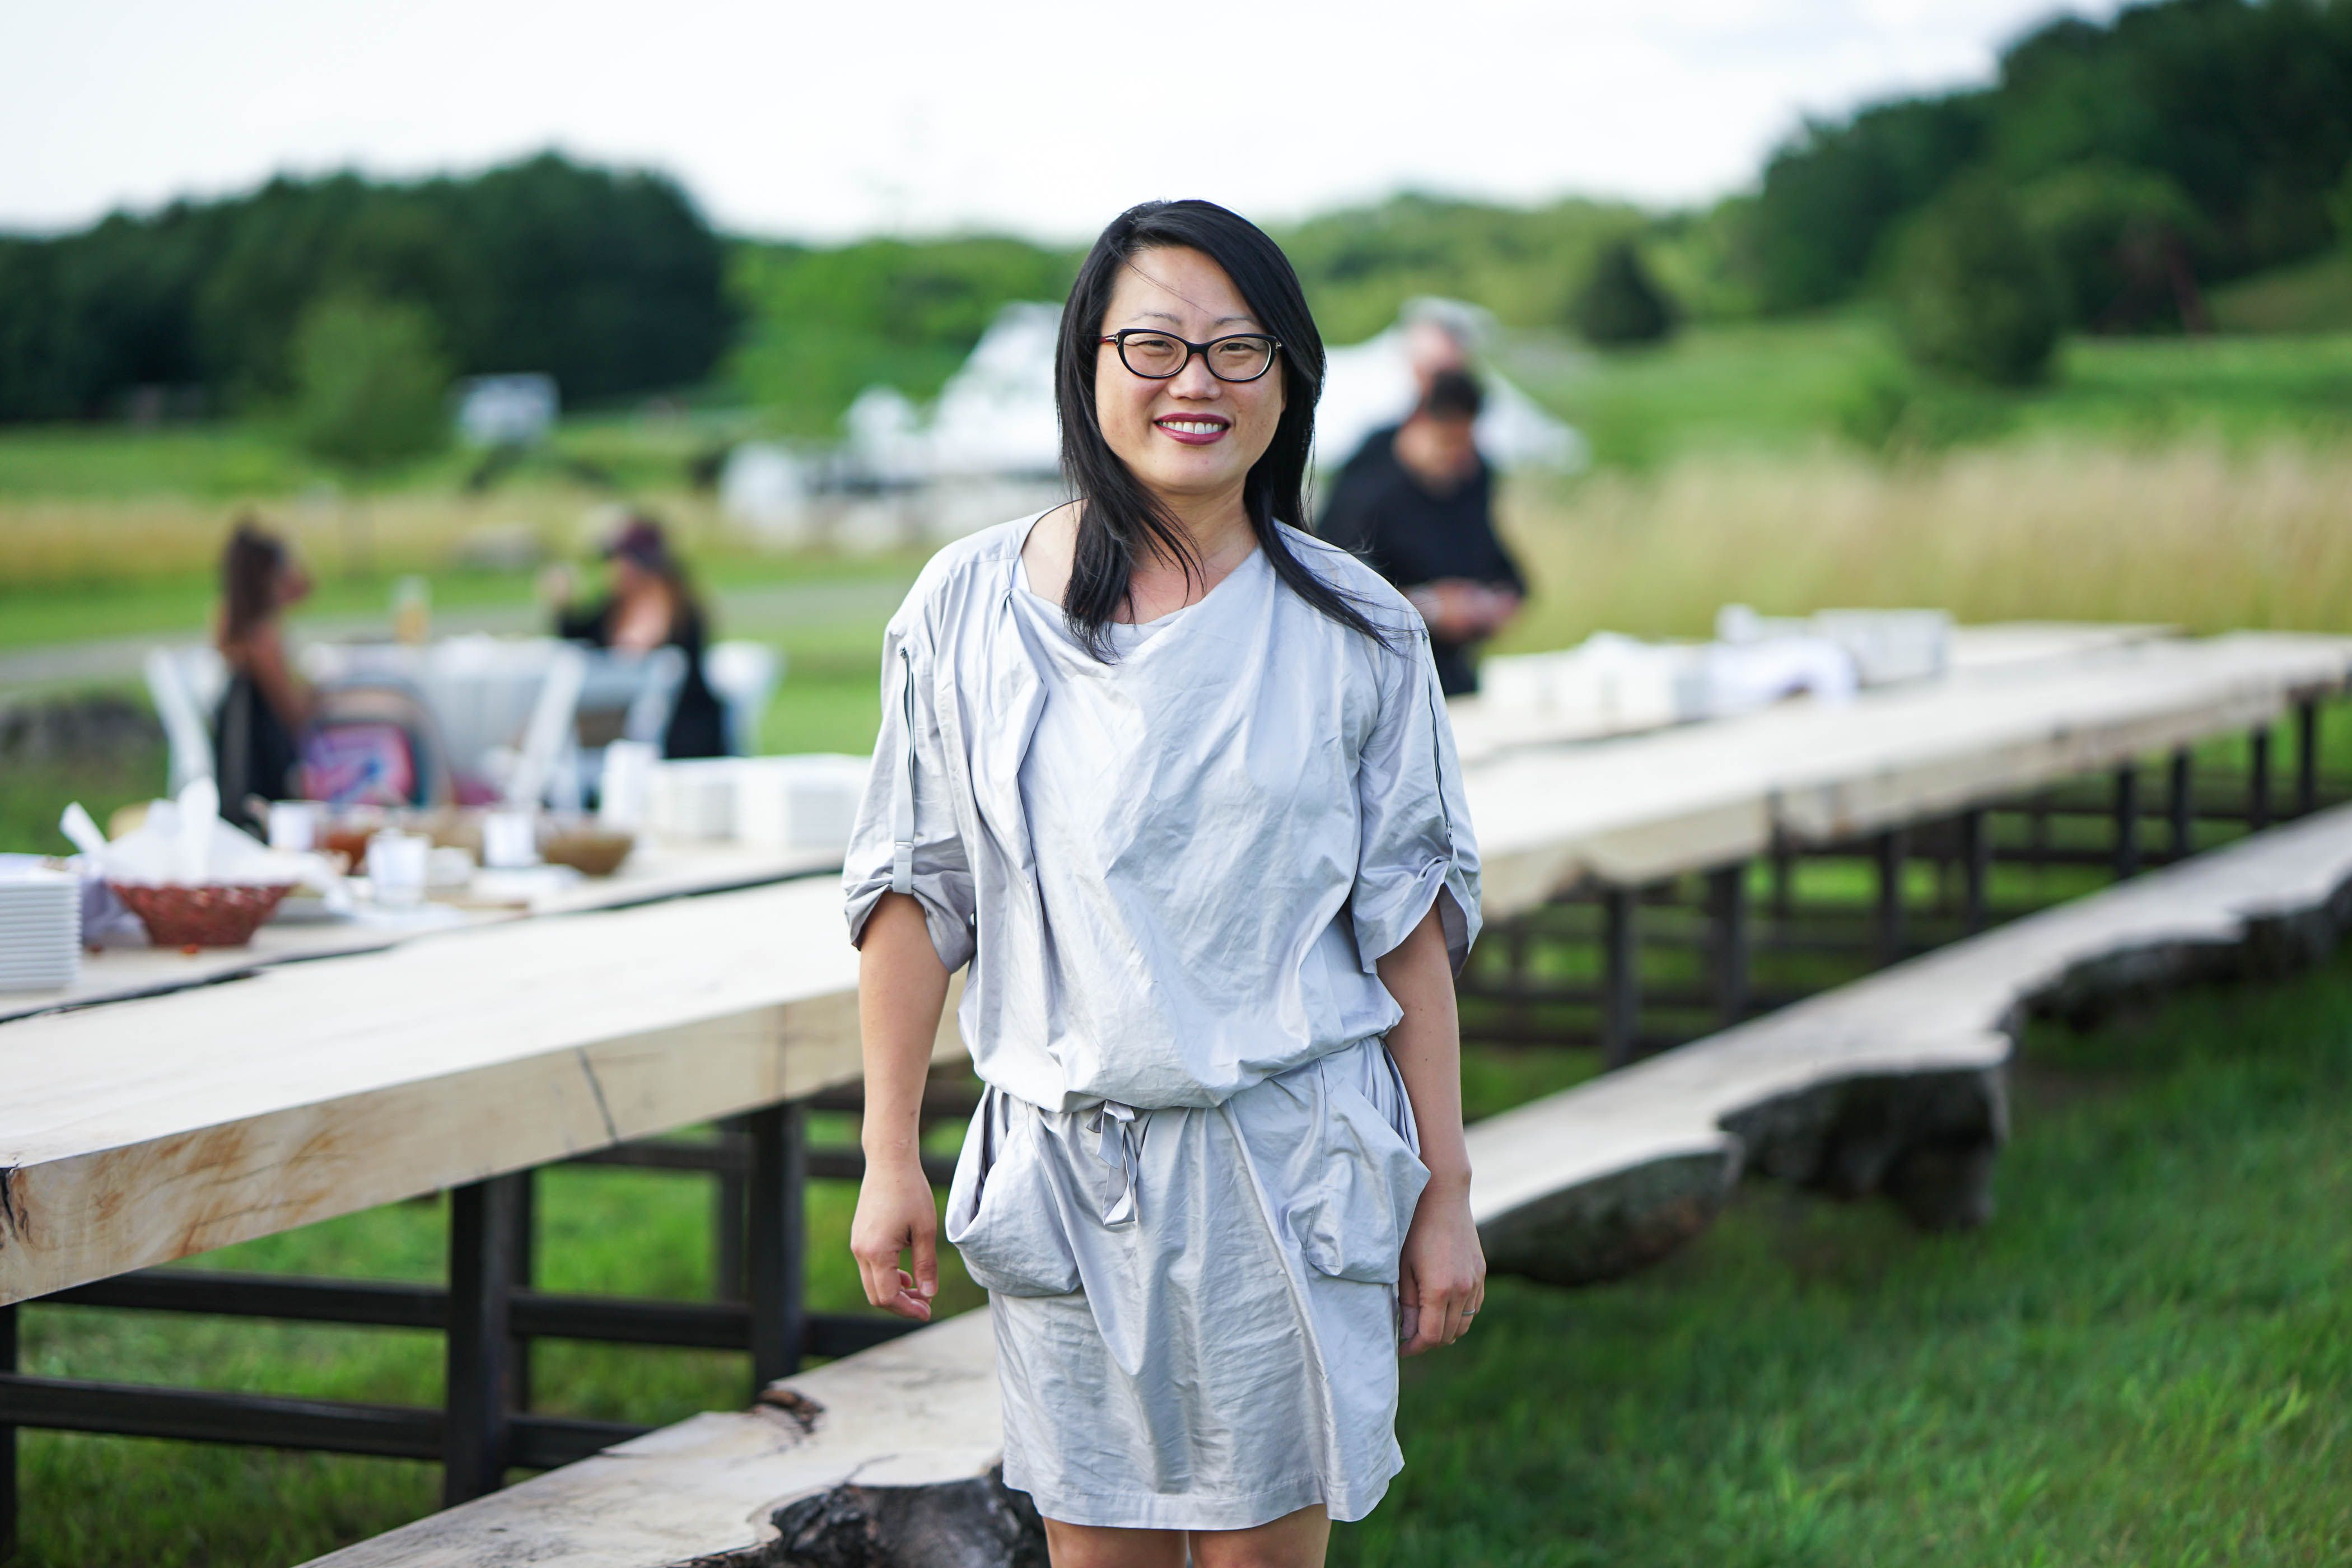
[1221, 320]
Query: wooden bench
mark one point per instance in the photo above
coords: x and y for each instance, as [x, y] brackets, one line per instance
[1891, 1085]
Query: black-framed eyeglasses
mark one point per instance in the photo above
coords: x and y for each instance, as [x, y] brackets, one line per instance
[1156, 356]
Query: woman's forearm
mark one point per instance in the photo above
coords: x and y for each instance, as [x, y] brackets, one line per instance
[902, 986]
[1427, 1046]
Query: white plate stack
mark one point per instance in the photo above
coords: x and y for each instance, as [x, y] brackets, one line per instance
[40, 929]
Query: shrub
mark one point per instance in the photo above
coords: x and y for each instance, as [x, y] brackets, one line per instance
[1976, 294]
[2126, 242]
[371, 381]
[1620, 303]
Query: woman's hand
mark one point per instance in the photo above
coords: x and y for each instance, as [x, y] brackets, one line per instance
[895, 1217]
[1441, 1275]
[901, 984]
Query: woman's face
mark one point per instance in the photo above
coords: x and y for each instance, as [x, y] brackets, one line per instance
[293, 583]
[1191, 436]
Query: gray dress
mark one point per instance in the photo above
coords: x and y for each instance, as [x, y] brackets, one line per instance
[1173, 874]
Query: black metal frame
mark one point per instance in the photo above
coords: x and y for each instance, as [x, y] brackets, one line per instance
[491, 1314]
[1624, 922]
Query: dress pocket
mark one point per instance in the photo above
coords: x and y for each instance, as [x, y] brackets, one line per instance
[1004, 1216]
[1354, 1226]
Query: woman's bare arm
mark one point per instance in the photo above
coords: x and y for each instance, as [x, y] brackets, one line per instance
[1443, 1277]
[902, 986]
[263, 656]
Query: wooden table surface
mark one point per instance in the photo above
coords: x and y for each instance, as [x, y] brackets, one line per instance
[150, 1129]
[655, 872]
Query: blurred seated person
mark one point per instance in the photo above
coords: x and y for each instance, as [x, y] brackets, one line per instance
[1417, 505]
[256, 730]
[648, 603]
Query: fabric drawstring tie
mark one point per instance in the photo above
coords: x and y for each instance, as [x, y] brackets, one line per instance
[1114, 1128]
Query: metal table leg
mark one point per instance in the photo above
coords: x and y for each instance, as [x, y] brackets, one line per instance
[1893, 850]
[778, 1241]
[1620, 995]
[2258, 780]
[477, 1440]
[2127, 821]
[729, 1219]
[2183, 806]
[1976, 853]
[2306, 757]
[1727, 898]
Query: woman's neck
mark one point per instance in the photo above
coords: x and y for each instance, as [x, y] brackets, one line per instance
[1217, 529]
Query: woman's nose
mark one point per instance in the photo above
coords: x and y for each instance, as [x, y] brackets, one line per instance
[1194, 380]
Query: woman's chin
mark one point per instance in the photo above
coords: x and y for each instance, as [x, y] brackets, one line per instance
[1193, 475]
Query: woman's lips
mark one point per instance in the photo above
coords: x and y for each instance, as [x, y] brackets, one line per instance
[1194, 429]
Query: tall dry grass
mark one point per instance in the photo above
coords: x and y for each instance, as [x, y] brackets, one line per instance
[94, 540]
[2191, 535]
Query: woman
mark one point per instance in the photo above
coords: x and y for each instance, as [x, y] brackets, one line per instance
[650, 605]
[267, 705]
[1175, 779]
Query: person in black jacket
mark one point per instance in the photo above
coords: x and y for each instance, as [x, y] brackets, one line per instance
[651, 604]
[1417, 504]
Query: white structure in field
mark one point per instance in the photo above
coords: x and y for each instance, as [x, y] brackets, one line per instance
[506, 410]
[995, 417]
[1370, 384]
[989, 445]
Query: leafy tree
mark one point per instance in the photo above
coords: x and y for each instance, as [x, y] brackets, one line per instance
[1832, 196]
[825, 324]
[608, 281]
[1975, 293]
[2243, 106]
[2127, 242]
[371, 381]
[1621, 304]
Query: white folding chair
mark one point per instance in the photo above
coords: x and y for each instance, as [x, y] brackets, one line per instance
[742, 675]
[186, 684]
[623, 696]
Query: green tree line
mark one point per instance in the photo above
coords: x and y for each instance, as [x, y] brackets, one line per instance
[609, 280]
[2110, 172]
[2187, 142]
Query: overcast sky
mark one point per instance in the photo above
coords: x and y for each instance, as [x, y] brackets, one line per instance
[917, 116]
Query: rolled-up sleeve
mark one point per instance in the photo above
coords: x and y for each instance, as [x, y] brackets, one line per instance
[906, 837]
[1416, 847]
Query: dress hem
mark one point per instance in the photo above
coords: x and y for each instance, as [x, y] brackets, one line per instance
[1181, 1510]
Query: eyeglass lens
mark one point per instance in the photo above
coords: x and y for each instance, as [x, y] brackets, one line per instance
[1159, 356]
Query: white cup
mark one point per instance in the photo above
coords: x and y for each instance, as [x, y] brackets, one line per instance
[294, 823]
[397, 863]
[626, 785]
[510, 839]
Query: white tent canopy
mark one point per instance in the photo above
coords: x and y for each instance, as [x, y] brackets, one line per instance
[995, 417]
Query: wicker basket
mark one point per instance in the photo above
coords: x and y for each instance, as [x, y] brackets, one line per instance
[218, 914]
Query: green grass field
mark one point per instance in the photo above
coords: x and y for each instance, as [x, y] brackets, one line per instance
[2146, 1358]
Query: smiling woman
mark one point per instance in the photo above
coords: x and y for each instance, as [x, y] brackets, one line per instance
[1175, 780]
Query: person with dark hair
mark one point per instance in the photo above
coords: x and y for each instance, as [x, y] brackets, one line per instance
[1174, 778]
[262, 713]
[650, 602]
[1417, 504]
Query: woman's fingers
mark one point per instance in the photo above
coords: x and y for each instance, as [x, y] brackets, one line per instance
[905, 1302]
[927, 1262]
[1434, 1317]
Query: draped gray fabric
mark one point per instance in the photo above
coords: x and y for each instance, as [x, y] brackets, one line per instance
[1172, 874]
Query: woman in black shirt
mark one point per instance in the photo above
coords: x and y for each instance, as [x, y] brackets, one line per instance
[650, 605]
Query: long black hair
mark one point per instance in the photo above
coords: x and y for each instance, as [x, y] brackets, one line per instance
[251, 565]
[1121, 515]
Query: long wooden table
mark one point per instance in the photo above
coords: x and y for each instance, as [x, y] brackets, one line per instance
[150, 1128]
[656, 870]
[304, 1090]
